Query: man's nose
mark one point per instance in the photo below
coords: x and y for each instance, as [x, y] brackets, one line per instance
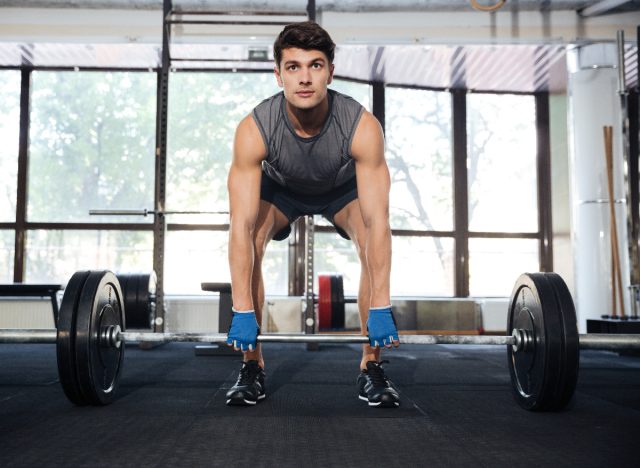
[305, 76]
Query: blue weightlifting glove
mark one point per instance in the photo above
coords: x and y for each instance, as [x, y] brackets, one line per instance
[243, 332]
[381, 327]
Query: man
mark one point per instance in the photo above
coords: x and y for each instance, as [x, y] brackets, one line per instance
[309, 150]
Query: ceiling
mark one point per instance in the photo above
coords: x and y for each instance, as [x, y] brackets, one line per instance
[508, 63]
[329, 5]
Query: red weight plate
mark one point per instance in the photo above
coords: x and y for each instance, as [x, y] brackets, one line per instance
[324, 302]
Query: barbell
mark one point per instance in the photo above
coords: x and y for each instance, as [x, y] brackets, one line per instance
[543, 347]
[145, 212]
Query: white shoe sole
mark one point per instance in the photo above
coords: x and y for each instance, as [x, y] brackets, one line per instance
[247, 402]
[371, 403]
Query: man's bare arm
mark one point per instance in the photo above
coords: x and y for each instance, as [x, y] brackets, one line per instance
[374, 184]
[244, 201]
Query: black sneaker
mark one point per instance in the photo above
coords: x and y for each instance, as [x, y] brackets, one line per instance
[375, 388]
[249, 389]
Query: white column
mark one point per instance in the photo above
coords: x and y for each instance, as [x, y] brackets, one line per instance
[593, 103]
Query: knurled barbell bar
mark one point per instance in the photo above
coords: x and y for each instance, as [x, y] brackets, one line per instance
[543, 348]
[521, 340]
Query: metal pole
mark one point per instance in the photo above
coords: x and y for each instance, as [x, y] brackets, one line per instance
[632, 229]
[145, 212]
[30, 336]
[159, 221]
[314, 338]
[309, 301]
[609, 341]
[587, 341]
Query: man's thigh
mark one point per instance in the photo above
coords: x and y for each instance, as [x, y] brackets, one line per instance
[270, 222]
[349, 219]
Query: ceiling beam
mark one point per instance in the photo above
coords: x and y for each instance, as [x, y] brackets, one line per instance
[601, 7]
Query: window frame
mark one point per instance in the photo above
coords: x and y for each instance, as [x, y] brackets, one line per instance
[460, 233]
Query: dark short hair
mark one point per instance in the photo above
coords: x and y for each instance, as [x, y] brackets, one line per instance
[307, 35]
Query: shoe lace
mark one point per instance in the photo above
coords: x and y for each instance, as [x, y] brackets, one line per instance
[377, 375]
[248, 374]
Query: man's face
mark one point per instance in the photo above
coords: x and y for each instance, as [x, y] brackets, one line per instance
[304, 76]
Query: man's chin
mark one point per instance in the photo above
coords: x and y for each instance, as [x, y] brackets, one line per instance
[304, 104]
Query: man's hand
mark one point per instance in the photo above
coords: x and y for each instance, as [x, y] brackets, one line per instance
[243, 332]
[382, 327]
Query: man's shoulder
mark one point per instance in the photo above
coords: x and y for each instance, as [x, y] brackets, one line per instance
[346, 109]
[343, 98]
[271, 100]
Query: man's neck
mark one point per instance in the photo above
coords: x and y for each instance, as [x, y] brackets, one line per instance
[308, 122]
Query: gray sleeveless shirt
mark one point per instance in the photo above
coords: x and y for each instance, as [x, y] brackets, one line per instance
[315, 165]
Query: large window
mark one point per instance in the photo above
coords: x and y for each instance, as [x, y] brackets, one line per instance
[494, 264]
[92, 144]
[6, 256]
[503, 190]
[358, 91]
[193, 257]
[419, 154]
[9, 136]
[204, 111]
[501, 163]
[54, 255]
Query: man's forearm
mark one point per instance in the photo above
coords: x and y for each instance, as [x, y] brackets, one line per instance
[241, 257]
[379, 263]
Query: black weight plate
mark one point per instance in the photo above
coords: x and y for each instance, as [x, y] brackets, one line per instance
[571, 343]
[146, 294]
[131, 301]
[123, 279]
[140, 300]
[337, 302]
[535, 372]
[65, 341]
[98, 365]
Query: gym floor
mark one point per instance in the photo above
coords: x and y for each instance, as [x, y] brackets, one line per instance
[457, 410]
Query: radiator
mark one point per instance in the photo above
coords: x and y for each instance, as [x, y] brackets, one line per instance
[26, 313]
[191, 314]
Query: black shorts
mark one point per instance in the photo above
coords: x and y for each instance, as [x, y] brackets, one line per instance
[294, 205]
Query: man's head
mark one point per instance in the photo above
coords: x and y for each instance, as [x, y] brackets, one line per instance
[304, 63]
[307, 35]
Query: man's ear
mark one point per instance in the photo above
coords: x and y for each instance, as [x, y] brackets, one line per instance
[276, 72]
[331, 69]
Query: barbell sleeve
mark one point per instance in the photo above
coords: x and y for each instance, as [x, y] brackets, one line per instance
[609, 341]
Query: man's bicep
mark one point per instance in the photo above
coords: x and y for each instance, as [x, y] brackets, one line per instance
[372, 172]
[246, 170]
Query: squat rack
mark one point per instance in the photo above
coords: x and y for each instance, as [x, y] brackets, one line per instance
[303, 231]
